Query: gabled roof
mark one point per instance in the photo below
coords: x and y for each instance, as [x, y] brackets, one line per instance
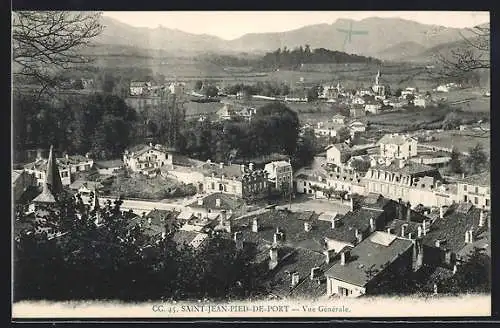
[450, 229]
[114, 163]
[370, 254]
[227, 202]
[45, 196]
[396, 139]
[482, 179]
[342, 147]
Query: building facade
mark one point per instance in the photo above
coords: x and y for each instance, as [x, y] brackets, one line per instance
[475, 189]
[397, 146]
[144, 158]
[280, 173]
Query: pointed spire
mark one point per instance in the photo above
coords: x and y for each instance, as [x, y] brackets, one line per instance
[95, 202]
[46, 196]
[52, 177]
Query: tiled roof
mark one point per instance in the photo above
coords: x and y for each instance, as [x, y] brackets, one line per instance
[410, 168]
[109, 164]
[482, 179]
[394, 139]
[368, 255]
[300, 261]
[411, 227]
[342, 147]
[450, 230]
[227, 202]
[183, 237]
[88, 184]
[16, 174]
[229, 171]
[142, 148]
[73, 159]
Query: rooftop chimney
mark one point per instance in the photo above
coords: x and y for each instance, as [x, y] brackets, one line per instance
[250, 166]
[221, 165]
[295, 279]
[255, 225]
[372, 224]
[343, 259]
[352, 204]
[437, 243]
[419, 232]
[389, 230]
[358, 235]
[217, 202]
[276, 237]
[454, 269]
[273, 254]
[329, 254]
[150, 144]
[471, 236]
[409, 235]
[307, 226]
[408, 211]
[66, 156]
[481, 218]
[163, 235]
[242, 167]
[441, 212]
[467, 240]
[333, 223]
[149, 220]
[314, 273]
[403, 228]
[402, 163]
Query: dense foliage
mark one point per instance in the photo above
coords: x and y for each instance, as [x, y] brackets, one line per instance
[101, 124]
[274, 129]
[117, 261]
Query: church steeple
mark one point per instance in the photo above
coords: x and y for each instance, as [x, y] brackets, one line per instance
[377, 78]
[52, 176]
[95, 202]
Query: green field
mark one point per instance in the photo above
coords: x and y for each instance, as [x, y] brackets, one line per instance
[462, 140]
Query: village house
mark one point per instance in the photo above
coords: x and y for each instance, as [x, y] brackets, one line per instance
[357, 110]
[396, 102]
[408, 92]
[137, 88]
[373, 107]
[338, 154]
[217, 203]
[328, 129]
[147, 158]
[39, 168]
[420, 102]
[435, 159]
[397, 146]
[85, 188]
[453, 235]
[475, 189]
[76, 163]
[21, 181]
[362, 268]
[280, 173]
[345, 179]
[311, 181]
[240, 180]
[357, 127]
[339, 119]
[416, 183]
[109, 167]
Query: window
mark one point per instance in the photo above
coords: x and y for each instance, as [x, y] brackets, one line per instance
[213, 185]
[477, 190]
[465, 187]
[221, 187]
[305, 184]
[476, 201]
[487, 202]
[465, 198]
[344, 291]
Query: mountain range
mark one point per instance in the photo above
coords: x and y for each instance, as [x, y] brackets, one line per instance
[384, 38]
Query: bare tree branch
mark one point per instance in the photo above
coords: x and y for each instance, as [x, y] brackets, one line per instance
[44, 42]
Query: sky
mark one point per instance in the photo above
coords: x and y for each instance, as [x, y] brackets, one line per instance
[233, 24]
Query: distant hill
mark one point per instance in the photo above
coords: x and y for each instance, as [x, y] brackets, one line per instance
[381, 34]
[401, 51]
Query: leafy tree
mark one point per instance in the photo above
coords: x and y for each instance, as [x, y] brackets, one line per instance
[473, 276]
[211, 91]
[198, 85]
[343, 134]
[360, 165]
[455, 164]
[477, 159]
[45, 42]
[451, 121]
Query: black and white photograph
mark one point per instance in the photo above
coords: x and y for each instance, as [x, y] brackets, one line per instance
[253, 164]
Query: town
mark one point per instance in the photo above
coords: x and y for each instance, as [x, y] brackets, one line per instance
[254, 197]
